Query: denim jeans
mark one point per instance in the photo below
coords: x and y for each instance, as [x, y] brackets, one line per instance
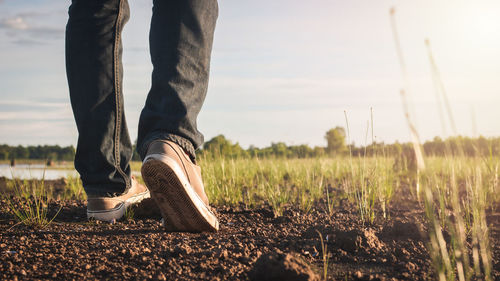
[181, 38]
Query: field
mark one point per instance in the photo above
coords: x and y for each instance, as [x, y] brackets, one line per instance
[345, 218]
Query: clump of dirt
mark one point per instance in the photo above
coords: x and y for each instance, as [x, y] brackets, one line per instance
[280, 266]
[359, 240]
[398, 229]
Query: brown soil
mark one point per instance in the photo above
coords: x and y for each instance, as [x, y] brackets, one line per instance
[252, 244]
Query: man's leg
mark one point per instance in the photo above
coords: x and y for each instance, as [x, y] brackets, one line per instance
[181, 39]
[94, 71]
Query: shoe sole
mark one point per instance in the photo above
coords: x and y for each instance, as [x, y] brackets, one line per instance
[181, 207]
[117, 212]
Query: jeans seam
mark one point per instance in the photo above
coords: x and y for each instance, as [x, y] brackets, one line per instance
[117, 96]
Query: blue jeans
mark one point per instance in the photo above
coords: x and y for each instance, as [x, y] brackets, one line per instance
[181, 37]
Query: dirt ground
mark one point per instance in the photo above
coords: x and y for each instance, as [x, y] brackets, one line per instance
[251, 245]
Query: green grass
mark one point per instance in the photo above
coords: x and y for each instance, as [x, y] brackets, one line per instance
[369, 182]
[74, 189]
[458, 192]
[30, 204]
[325, 255]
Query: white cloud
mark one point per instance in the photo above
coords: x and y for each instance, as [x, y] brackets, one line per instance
[24, 28]
[17, 23]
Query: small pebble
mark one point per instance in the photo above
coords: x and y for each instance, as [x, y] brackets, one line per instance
[358, 274]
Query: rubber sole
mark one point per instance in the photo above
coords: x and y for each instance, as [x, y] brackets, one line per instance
[117, 212]
[181, 207]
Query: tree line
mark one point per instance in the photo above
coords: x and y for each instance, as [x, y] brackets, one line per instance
[45, 152]
[336, 145]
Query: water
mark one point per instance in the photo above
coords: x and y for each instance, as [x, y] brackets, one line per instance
[35, 171]
[39, 171]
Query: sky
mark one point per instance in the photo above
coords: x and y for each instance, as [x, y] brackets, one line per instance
[281, 70]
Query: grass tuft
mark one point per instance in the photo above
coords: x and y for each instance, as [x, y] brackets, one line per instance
[30, 204]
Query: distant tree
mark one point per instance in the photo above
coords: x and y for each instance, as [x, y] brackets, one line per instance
[67, 153]
[220, 146]
[21, 152]
[300, 151]
[335, 141]
[4, 152]
[279, 149]
[434, 147]
[483, 146]
[318, 151]
[252, 151]
[396, 149]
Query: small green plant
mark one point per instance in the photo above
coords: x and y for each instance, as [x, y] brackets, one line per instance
[371, 181]
[129, 213]
[29, 204]
[324, 254]
[330, 203]
[74, 189]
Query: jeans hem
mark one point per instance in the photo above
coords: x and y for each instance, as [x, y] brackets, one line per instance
[182, 142]
[98, 191]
